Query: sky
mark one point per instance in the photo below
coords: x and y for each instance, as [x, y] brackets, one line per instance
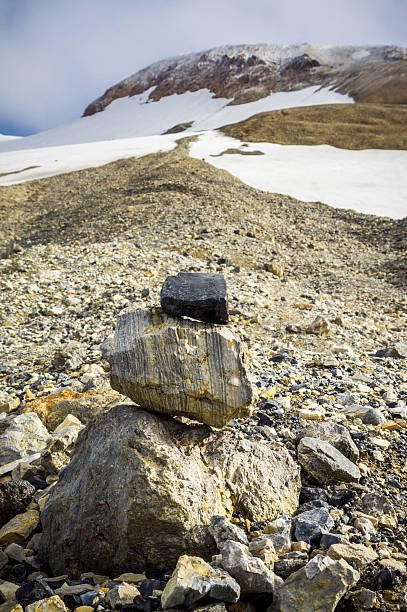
[56, 56]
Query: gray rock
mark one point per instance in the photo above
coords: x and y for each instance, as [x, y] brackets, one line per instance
[325, 463]
[3, 559]
[311, 524]
[222, 530]
[362, 599]
[250, 572]
[327, 539]
[319, 585]
[179, 367]
[380, 507]
[14, 498]
[400, 349]
[285, 567]
[122, 594]
[335, 434]
[193, 579]
[22, 435]
[373, 416]
[263, 548]
[279, 531]
[201, 296]
[97, 516]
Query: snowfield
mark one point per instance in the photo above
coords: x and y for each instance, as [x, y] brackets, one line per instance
[372, 181]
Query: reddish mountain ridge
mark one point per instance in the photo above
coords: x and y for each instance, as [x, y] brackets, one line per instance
[244, 73]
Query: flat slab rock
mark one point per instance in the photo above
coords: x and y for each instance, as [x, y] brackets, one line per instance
[201, 296]
[179, 367]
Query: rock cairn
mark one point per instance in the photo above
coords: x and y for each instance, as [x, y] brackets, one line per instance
[141, 511]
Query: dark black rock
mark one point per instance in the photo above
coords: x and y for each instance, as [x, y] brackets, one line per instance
[200, 296]
[342, 498]
[310, 493]
[14, 498]
[386, 579]
[32, 591]
[147, 587]
[327, 539]
[145, 604]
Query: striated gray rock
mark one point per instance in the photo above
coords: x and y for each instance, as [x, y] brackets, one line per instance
[97, 517]
[335, 434]
[317, 586]
[20, 436]
[179, 367]
[251, 573]
[325, 463]
[198, 295]
[193, 579]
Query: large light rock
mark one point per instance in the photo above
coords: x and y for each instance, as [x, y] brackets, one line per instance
[193, 579]
[141, 490]
[21, 435]
[325, 463]
[179, 367]
[317, 586]
[357, 554]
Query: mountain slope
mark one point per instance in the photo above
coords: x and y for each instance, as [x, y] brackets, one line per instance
[244, 73]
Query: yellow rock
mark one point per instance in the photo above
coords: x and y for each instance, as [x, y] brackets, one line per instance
[11, 606]
[19, 528]
[84, 609]
[8, 590]
[131, 578]
[51, 604]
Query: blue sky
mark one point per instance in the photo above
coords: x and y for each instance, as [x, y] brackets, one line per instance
[58, 55]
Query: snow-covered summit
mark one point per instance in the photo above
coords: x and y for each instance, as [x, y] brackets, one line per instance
[245, 73]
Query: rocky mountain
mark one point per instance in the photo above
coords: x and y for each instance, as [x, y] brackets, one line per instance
[244, 73]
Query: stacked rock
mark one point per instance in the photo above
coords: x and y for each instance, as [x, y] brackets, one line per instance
[170, 364]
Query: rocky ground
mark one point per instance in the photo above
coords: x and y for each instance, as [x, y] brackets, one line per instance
[317, 294]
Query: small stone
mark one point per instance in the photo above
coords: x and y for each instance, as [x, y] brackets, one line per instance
[15, 552]
[327, 539]
[250, 572]
[69, 421]
[380, 507]
[363, 599]
[84, 609]
[325, 463]
[8, 403]
[222, 530]
[128, 577]
[275, 269]
[400, 349]
[319, 326]
[373, 416]
[24, 436]
[321, 581]
[200, 296]
[335, 434]
[311, 524]
[15, 496]
[8, 590]
[51, 604]
[365, 526]
[263, 548]
[122, 594]
[301, 546]
[11, 606]
[279, 532]
[358, 554]
[19, 528]
[32, 591]
[193, 579]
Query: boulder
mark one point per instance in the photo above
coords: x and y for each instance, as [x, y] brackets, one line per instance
[15, 496]
[254, 578]
[335, 434]
[199, 295]
[179, 367]
[319, 585]
[325, 463]
[193, 579]
[21, 435]
[97, 517]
